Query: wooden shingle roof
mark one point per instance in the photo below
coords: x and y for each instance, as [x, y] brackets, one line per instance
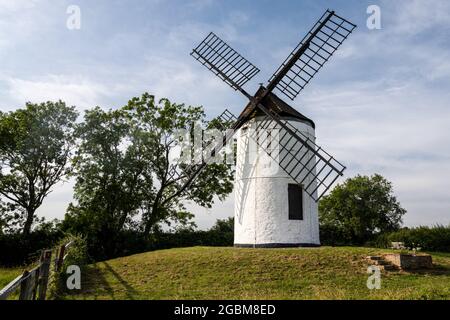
[274, 103]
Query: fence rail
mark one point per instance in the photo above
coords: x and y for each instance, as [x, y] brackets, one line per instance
[33, 284]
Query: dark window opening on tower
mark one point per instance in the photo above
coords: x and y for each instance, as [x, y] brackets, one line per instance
[295, 194]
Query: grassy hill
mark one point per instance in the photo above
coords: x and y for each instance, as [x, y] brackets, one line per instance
[232, 273]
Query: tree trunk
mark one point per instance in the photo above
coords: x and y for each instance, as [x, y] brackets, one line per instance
[153, 215]
[150, 222]
[152, 218]
[28, 222]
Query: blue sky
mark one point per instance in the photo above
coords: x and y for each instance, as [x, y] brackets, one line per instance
[381, 104]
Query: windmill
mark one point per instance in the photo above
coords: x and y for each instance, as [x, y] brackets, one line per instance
[276, 209]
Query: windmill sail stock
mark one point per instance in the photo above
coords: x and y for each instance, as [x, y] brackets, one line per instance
[304, 161]
[316, 48]
[299, 156]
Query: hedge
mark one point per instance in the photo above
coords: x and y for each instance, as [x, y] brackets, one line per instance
[436, 238]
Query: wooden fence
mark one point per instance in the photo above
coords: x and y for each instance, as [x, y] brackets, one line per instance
[33, 284]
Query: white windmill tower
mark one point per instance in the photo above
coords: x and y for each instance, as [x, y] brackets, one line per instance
[276, 201]
[271, 207]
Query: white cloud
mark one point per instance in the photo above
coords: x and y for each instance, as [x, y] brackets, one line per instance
[24, 21]
[185, 81]
[417, 16]
[10, 6]
[77, 91]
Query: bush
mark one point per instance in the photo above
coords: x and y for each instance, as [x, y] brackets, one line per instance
[76, 254]
[332, 236]
[17, 249]
[436, 238]
[132, 241]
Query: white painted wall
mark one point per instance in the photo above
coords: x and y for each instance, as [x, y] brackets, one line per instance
[261, 197]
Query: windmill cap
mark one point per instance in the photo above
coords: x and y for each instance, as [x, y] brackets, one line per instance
[274, 103]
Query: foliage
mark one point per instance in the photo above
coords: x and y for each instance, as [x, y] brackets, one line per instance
[18, 249]
[222, 232]
[106, 179]
[21, 250]
[220, 235]
[123, 173]
[436, 238]
[35, 145]
[358, 210]
[11, 218]
[224, 226]
[134, 241]
[76, 254]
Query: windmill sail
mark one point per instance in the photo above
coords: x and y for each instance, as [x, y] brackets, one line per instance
[311, 54]
[224, 61]
[297, 154]
[305, 162]
[188, 172]
[227, 117]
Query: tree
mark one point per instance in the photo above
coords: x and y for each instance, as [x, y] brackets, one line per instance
[108, 174]
[224, 225]
[35, 145]
[358, 209]
[123, 171]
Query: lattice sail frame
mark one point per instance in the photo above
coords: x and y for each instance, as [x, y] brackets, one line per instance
[177, 172]
[313, 169]
[224, 61]
[321, 169]
[325, 37]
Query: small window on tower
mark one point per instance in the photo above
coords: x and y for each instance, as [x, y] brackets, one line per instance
[295, 194]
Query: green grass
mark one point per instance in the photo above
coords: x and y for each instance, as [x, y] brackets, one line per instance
[7, 275]
[232, 273]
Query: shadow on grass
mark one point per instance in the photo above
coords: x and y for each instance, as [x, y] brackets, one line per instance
[94, 284]
[101, 281]
[437, 270]
[130, 292]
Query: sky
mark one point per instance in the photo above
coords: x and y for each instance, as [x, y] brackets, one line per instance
[381, 104]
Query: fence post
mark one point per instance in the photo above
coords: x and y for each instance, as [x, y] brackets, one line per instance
[44, 270]
[36, 284]
[60, 257]
[56, 258]
[24, 286]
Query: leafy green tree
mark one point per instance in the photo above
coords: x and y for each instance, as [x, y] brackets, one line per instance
[11, 218]
[123, 171]
[355, 211]
[107, 178]
[224, 225]
[35, 145]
